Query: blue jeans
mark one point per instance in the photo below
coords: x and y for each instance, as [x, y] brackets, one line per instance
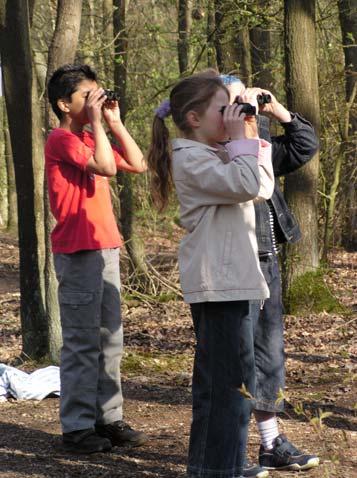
[269, 340]
[224, 360]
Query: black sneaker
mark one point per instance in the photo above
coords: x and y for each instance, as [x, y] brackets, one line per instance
[120, 434]
[251, 470]
[284, 456]
[85, 442]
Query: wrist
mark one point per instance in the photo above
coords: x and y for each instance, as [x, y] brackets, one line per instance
[281, 114]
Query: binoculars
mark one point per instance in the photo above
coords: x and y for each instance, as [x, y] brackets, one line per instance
[249, 109]
[111, 95]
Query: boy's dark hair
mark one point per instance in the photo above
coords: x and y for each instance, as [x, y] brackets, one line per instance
[64, 81]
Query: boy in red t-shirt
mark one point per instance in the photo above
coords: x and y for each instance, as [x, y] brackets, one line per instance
[85, 244]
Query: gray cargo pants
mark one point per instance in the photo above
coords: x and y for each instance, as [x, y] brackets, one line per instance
[88, 293]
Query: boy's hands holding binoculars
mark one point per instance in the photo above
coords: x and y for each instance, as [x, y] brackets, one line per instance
[273, 109]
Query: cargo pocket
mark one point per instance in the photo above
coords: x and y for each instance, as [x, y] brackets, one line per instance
[78, 309]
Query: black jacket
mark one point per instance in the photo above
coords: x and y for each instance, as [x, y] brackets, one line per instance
[290, 151]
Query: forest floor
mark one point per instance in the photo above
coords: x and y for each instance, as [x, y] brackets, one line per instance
[321, 399]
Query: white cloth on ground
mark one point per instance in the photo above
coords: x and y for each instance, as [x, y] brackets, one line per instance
[24, 386]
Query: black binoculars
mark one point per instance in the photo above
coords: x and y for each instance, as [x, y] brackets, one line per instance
[111, 95]
[249, 109]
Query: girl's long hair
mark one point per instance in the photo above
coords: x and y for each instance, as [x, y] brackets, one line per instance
[192, 93]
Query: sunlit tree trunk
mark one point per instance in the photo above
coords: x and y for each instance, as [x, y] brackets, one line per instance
[27, 146]
[302, 96]
[62, 50]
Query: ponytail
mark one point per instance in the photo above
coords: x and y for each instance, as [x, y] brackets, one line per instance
[160, 164]
[193, 92]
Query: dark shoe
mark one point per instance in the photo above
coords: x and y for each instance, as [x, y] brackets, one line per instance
[85, 441]
[120, 434]
[284, 456]
[251, 470]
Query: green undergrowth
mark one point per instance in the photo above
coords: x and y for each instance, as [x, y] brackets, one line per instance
[155, 363]
[310, 294]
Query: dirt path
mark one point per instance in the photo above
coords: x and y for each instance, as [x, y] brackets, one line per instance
[321, 360]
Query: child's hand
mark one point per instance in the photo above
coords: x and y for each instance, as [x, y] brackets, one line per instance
[94, 104]
[238, 125]
[111, 112]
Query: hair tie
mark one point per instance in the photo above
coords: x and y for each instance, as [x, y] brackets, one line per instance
[229, 79]
[163, 110]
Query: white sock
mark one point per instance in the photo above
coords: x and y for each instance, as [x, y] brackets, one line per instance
[268, 430]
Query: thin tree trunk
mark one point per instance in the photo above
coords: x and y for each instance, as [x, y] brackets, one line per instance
[27, 147]
[211, 27]
[108, 54]
[348, 22]
[301, 186]
[4, 193]
[244, 56]
[232, 43]
[125, 181]
[62, 50]
[261, 53]
[184, 30]
[12, 222]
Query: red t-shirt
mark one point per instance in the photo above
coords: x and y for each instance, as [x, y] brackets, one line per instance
[80, 200]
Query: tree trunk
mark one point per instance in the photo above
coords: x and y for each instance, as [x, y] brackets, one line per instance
[184, 30]
[62, 50]
[4, 193]
[108, 40]
[348, 21]
[125, 181]
[120, 52]
[244, 56]
[232, 43]
[211, 27]
[12, 221]
[261, 53]
[302, 96]
[27, 147]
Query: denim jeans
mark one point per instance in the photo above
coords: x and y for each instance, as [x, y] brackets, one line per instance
[269, 340]
[224, 360]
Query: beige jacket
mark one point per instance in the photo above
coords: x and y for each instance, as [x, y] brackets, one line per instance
[218, 258]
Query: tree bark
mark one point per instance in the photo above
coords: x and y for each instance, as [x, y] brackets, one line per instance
[125, 181]
[120, 52]
[348, 22]
[4, 193]
[108, 54]
[12, 221]
[261, 54]
[211, 27]
[184, 30]
[27, 147]
[302, 96]
[232, 43]
[62, 50]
